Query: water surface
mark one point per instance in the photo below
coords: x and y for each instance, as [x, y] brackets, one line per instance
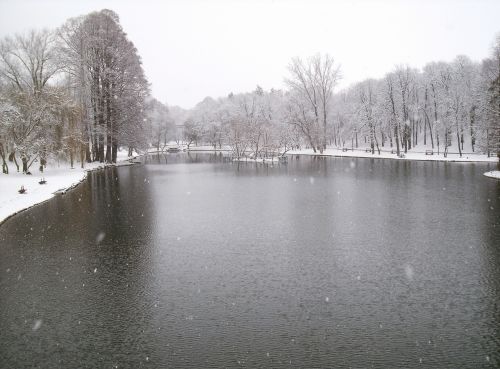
[190, 261]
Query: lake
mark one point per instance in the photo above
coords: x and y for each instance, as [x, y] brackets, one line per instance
[192, 261]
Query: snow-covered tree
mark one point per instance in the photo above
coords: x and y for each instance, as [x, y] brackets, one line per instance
[28, 63]
[490, 101]
[312, 82]
[112, 87]
[161, 124]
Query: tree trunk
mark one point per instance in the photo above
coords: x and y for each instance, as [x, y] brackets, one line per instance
[324, 130]
[458, 142]
[101, 148]
[82, 156]
[446, 142]
[425, 131]
[376, 142]
[12, 158]
[430, 133]
[5, 167]
[409, 134]
[405, 137]
[472, 138]
[415, 133]
[108, 148]
[109, 122]
[396, 136]
[437, 139]
[24, 160]
[114, 152]
[372, 139]
[94, 99]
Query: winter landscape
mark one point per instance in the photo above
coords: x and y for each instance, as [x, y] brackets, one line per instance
[269, 184]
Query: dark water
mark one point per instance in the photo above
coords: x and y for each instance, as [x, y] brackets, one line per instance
[198, 263]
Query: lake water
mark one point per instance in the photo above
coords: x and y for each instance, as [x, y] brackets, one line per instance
[190, 261]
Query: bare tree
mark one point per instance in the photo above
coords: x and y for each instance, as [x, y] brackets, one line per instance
[490, 104]
[27, 63]
[314, 82]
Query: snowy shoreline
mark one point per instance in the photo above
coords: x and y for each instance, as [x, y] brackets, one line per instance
[493, 174]
[60, 180]
[410, 156]
[418, 154]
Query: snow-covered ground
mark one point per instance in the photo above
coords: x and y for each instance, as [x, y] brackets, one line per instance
[493, 174]
[258, 160]
[417, 153]
[59, 178]
[209, 148]
[411, 155]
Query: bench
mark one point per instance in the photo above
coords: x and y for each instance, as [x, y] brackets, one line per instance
[344, 149]
[368, 150]
[429, 152]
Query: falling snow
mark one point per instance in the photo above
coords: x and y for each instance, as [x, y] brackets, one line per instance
[100, 237]
[37, 324]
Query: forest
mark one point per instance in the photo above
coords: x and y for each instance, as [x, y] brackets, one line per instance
[445, 106]
[79, 93]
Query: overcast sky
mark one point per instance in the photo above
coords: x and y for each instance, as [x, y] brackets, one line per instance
[193, 49]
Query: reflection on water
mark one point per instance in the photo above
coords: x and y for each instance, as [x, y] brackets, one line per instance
[191, 261]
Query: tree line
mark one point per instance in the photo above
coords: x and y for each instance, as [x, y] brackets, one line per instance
[444, 105]
[78, 92]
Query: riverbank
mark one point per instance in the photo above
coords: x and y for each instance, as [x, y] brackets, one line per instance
[411, 155]
[59, 177]
[421, 153]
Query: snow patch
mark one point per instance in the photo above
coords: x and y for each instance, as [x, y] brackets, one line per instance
[493, 174]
